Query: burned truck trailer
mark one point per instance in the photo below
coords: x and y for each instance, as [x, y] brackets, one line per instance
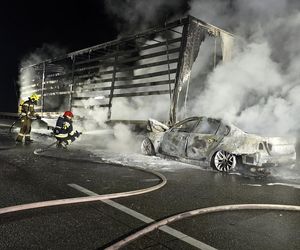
[155, 62]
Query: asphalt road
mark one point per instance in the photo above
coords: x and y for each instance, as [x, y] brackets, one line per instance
[26, 178]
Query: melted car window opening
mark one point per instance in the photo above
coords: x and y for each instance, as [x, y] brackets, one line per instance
[223, 130]
[186, 126]
[207, 126]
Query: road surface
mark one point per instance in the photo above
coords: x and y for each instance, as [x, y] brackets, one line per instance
[26, 178]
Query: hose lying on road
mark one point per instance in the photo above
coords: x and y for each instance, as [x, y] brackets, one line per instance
[51, 203]
[154, 225]
[191, 213]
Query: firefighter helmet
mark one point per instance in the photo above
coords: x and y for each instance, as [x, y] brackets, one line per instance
[68, 114]
[35, 97]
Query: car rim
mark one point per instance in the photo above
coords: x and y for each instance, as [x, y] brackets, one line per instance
[224, 161]
[147, 147]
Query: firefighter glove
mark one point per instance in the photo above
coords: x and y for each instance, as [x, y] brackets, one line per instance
[77, 134]
[56, 131]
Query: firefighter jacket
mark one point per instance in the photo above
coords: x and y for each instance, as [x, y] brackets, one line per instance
[64, 128]
[27, 109]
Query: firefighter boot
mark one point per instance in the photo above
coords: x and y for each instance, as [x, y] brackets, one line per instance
[64, 145]
[27, 139]
[61, 144]
[58, 144]
[19, 138]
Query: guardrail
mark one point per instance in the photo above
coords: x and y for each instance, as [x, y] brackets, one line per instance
[8, 115]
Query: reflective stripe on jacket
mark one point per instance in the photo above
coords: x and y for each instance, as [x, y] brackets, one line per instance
[27, 109]
[63, 127]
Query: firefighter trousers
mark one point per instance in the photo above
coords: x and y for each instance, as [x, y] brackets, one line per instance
[25, 129]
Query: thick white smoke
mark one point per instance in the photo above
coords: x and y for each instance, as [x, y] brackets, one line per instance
[127, 108]
[258, 90]
[46, 52]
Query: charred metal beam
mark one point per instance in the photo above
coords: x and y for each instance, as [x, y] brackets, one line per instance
[112, 89]
[126, 52]
[193, 35]
[42, 90]
[133, 59]
[58, 93]
[159, 73]
[72, 84]
[129, 86]
[137, 85]
[149, 32]
[105, 57]
[92, 106]
[120, 69]
[144, 93]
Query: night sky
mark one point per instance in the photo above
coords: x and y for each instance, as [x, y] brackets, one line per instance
[27, 25]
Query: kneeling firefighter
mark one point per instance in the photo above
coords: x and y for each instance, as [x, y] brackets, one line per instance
[63, 130]
[27, 116]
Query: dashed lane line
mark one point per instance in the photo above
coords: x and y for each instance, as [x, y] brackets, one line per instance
[175, 233]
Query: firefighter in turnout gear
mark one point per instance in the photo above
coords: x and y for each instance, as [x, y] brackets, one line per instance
[63, 130]
[27, 115]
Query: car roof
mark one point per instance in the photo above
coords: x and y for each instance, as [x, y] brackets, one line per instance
[197, 117]
[210, 118]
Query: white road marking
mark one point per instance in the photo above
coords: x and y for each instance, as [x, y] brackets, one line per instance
[253, 185]
[284, 184]
[177, 234]
[4, 125]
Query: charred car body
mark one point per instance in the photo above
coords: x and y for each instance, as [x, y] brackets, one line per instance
[218, 144]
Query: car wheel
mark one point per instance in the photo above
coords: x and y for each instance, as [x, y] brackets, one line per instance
[223, 161]
[147, 147]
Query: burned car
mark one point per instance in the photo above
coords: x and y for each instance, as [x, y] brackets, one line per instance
[218, 144]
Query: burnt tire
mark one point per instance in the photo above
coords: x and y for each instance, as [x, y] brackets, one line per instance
[147, 147]
[223, 161]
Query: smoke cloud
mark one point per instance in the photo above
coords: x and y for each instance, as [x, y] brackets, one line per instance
[132, 16]
[46, 52]
[259, 89]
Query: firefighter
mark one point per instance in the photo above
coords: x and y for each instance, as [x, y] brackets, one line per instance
[27, 116]
[63, 130]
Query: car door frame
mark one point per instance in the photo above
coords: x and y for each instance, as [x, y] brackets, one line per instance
[171, 130]
[216, 139]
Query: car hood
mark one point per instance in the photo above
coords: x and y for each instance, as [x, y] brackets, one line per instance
[156, 126]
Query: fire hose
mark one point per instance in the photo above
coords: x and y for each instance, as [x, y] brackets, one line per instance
[20, 117]
[155, 225]
[200, 211]
[11, 127]
[59, 202]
